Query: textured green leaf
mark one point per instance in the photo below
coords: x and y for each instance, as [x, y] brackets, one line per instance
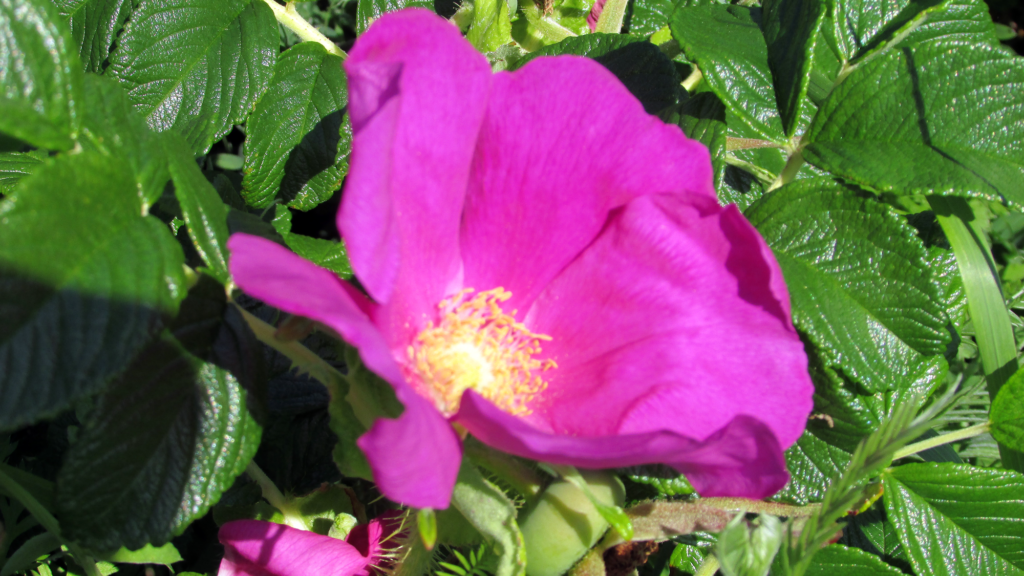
[40, 75]
[874, 533]
[111, 126]
[648, 16]
[327, 253]
[369, 10]
[205, 215]
[957, 519]
[487, 508]
[899, 124]
[84, 281]
[645, 71]
[1008, 413]
[857, 27]
[95, 25]
[702, 117]
[196, 66]
[812, 465]
[839, 560]
[16, 165]
[148, 554]
[297, 141]
[727, 45]
[169, 436]
[491, 26]
[857, 277]
[791, 30]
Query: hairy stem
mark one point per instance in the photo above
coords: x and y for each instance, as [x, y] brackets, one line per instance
[709, 566]
[612, 16]
[275, 497]
[291, 20]
[923, 445]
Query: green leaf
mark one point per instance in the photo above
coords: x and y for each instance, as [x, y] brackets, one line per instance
[369, 10]
[487, 508]
[168, 437]
[491, 26]
[196, 66]
[727, 45]
[1008, 413]
[205, 215]
[858, 27]
[297, 140]
[148, 554]
[111, 126]
[95, 25]
[791, 31]
[958, 519]
[812, 464]
[645, 71]
[900, 124]
[839, 560]
[748, 548]
[26, 555]
[649, 16]
[327, 253]
[857, 276]
[16, 165]
[874, 533]
[702, 118]
[40, 75]
[85, 279]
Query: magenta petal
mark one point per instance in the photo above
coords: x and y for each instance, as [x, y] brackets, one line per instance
[549, 168]
[595, 14]
[742, 459]
[415, 457]
[416, 100]
[254, 548]
[673, 319]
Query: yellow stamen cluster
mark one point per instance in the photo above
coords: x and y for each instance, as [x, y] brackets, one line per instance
[477, 345]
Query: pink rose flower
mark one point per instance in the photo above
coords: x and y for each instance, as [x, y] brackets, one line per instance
[546, 266]
[257, 548]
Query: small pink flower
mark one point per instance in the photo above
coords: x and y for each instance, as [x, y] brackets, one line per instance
[547, 267]
[256, 548]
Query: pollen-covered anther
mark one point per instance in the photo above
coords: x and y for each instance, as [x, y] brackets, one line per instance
[475, 344]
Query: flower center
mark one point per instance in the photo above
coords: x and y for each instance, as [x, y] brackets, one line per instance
[477, 345]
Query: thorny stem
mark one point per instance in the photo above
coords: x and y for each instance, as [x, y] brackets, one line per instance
[274, 496]
[47, 521]
[942, 439]
[760, 506]
[291, 20]
[709, 566]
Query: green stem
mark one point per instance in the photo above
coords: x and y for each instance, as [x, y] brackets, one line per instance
[519, 476]
[793, 165]
[291, 20]
[273, 495]
[693, 80]
[47, 521]
[612, 16]
[761, 174]
[942, 439]
[709, 566]
[358, 396]
[748, 143]
[552, 31]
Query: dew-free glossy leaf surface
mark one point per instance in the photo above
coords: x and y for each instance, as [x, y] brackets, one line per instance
[726, 44]
[791, 31]
[95, 25]
[812, 465]
[839, 560]
[162, 444]
[1008, 413]
[196, 66]
[297, 139]
[40, 75]
[84, 281]
[958, 519]
[16, 165]
[858, 281]
[939, 119]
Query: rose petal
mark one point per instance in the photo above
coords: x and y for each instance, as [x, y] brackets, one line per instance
[742, 459]
[255, 548]
[415, 457]
[416, 100]
[668, 322]
[549, 168]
